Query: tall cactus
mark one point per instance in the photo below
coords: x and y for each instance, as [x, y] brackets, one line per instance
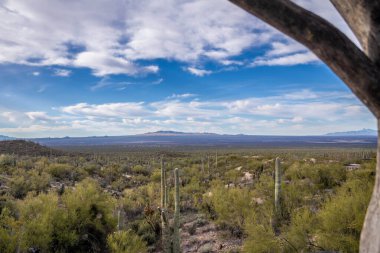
[118, 220]
[166, 189]
[208, 167]
[277, 189]
[202, 166]
[216, 159]
[163, 183]
[164, 218]
[277, 193]
[176, 237]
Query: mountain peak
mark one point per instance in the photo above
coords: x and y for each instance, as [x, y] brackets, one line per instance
[362, 132]
[174, 133]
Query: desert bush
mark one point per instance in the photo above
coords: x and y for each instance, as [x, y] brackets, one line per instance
[79, 221]
[341, 218]
[232, 206]
[261, 239]
[60, 171]
[324, 176]
[91, 168]
[9, 231]
[138, 169]
[7, 160]
[125, 242]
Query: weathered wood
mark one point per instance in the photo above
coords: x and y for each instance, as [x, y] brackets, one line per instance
[363, 17]
[370, 236]
[325, 41]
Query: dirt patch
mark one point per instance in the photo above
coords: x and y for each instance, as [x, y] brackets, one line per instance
[200, 235]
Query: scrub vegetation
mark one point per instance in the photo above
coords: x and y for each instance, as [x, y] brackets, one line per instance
[229, 200]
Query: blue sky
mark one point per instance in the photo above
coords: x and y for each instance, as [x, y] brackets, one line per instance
[81, 68]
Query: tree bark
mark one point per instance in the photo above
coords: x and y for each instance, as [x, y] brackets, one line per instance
[370, 236]
[363, 17]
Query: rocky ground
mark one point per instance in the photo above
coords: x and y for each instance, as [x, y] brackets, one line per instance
[201, 236]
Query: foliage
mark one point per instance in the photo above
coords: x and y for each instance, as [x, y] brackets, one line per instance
[9, 232]
[125, 242]
[79, 222]
[322, 203]
[341, 218]
[232, 206]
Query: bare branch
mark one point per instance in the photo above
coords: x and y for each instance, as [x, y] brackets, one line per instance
[363, 17]
[326, 41]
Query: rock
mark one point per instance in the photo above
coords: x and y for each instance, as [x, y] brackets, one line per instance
[206, 248]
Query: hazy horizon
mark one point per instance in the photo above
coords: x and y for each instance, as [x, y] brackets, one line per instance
[169, 132]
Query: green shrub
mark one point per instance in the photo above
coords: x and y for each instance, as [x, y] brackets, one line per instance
[9, 231]
[125, 242]
[78, 222]
[341, 218]
[7, 160]
[233, 207]
[60, 171]
[138, 169]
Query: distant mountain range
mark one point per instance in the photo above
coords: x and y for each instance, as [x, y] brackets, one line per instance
[21, 147]
[363, 132]
[175, 139]
[6, 138]
[174, 133]
[361, 138]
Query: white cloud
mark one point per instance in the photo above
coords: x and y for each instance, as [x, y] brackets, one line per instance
[39, 116]
[294, 112]
[180, 96]
[231, 62]
[158, 81]
[36, 73]
[103, 64]
[288, 60]
[297, 119]
[302, 94]
[254, 115]
[179, 109]
[281, 48]
[10, 116]
[199, 72]
[106, 82]
[42, 88]
[62, 72]
[106, 110]
[299, 112]
[113, 37]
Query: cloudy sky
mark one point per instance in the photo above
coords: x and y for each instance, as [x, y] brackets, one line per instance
[97, 67]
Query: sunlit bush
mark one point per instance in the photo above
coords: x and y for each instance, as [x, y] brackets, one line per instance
[126, 242]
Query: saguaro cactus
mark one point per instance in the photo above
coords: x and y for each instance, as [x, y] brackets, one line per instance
[208, 167]
[164, 219]
[166, 199]
[202, 165]
[163, 183]
[216, 160]
[277, 194]
[277, 186]
[118, 220]
[176, 237]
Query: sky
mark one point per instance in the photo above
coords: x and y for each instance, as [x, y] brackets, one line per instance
[97, 67]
